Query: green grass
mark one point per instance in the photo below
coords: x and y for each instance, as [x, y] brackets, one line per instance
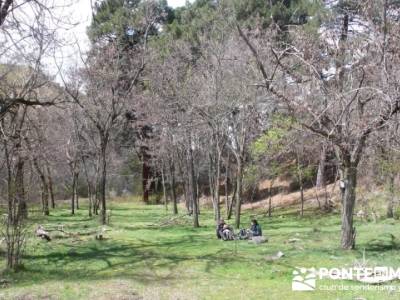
[138, 260]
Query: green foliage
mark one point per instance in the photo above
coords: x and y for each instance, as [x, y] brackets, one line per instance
[387, 164]
[124, 20]
[396, 214]
[283, 13]
[309, 172]
[111, 18]
[251, 176]
[197, 19]
[272, 142]
[265, 150]
[306, 172]
[193, 21]
[202, 22]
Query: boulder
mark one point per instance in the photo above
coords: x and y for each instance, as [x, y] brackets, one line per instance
[276, 256]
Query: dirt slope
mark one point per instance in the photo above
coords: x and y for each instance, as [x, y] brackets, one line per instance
[311, 196]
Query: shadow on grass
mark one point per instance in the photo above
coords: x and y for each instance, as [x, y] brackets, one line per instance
[144, 261]
[386, 242]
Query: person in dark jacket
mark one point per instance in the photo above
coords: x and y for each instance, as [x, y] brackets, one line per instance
[255, 228]
[220, 228]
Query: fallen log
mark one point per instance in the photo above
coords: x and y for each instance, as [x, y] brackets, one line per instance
[45, 233]
[169, 221]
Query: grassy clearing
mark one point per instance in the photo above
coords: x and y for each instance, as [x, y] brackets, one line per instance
[139, 261]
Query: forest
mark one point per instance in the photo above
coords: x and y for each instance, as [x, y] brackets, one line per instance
[120, 162]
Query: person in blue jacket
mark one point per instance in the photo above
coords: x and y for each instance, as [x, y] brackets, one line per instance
[255, 229]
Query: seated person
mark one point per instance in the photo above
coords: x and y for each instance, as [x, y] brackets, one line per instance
[255, 229]
[220, 228]
[227, 233]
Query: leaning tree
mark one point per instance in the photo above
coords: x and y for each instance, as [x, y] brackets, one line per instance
[339, 80]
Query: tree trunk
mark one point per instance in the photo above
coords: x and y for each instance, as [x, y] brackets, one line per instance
[20, 209]
[233, 200]
[20, 190]
[270, 199]
[321, 175]
[163, 187]
[73, 194]
[145, 175]
[89, 186]
[45, 187]
[187, 195]
[300, 178]
[348, 203]
[389, 212]
[51, 189]
[316, 195]
[216, 189]
[238, 204]
[192, 189]
[211, 183]
[227, 186]
[90, 200]
[197, 187]
[96, 202]
[302, 197]
[95, 199]
[103, 180]
[321, 178]
[45, 197]
[10, 183]
[173, 191]
[76, 190]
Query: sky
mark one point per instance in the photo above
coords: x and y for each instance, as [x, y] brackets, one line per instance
[176, 3]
